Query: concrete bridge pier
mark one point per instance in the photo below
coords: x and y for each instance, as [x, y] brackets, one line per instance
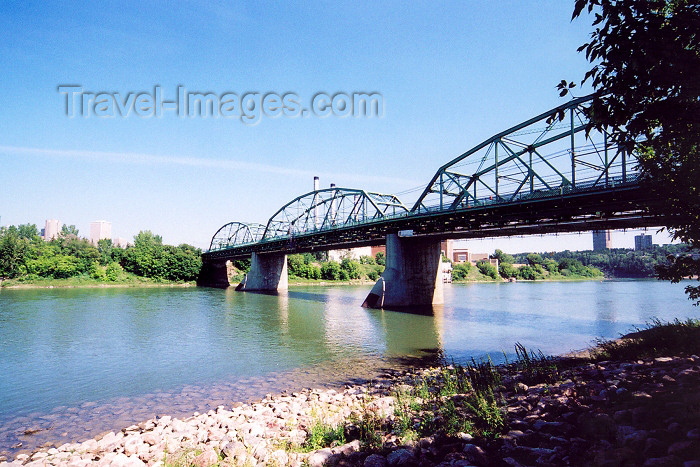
[268, 272]
[413, 276]
[213, 274]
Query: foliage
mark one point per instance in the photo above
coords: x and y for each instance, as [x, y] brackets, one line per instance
[24, 255]
[460, 271]
[323, 435]
[352, 268]
[453, 399]
[367, 260]
[303, 266]
[13, 250]
[502, 257]
[646, 56]
[534, 368]
[528, 273]
[369, 423]
[487, 269]
[534, 259]
[655, 340]
[507, 270]
[330, 271]
[69, 230]
[380, 258]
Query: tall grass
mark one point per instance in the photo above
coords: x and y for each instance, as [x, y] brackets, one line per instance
[656, 339]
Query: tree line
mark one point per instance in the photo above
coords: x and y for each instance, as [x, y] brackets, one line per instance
[527, 266]
[24, 255]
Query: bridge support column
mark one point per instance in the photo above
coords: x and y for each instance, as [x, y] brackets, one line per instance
[268, 272]
[213, 274]
[413, 276]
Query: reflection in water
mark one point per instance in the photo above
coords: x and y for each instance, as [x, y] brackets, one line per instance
[132, 352]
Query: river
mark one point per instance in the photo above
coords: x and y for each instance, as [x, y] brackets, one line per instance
[77, 362]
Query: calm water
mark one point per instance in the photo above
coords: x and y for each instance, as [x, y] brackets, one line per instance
[74, 362]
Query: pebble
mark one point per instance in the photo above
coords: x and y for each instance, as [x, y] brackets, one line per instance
[606, 413]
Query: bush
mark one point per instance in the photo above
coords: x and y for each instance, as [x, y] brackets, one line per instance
[380, 258]
[351, 267]
[507, 270]
[460, 271]
[527, 273]
[115, 272]
[330, 271]
[487, 269]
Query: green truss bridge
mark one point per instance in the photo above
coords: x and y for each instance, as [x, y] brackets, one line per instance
[541, 176]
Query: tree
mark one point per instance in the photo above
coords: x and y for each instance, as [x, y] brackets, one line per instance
[28, 231]
[646, 56]
[460, 271]
[507, 270]
[330, 271]
[68, 230]
[351, 267]
[503, 257]
[13, 250]
[487, 269]
[380, 258]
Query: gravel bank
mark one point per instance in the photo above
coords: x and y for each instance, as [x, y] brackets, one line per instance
[642, 412]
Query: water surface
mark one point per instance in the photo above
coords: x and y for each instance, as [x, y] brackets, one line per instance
[75, 362]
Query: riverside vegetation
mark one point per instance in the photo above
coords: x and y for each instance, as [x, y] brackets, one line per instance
[69, 260]
[632, 401]
[72, 261]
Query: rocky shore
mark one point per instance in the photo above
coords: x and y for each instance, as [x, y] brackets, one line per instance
[641, 412]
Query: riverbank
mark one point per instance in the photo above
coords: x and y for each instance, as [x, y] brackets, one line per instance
[80, 282]
[633, 401]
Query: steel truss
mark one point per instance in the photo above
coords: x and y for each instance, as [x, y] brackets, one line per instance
[236, 234]
[331, 208]
[549, 155]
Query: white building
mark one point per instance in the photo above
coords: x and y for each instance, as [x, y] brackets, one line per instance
[51, 229]
[100, 230]
[120, 242]
[350, 253]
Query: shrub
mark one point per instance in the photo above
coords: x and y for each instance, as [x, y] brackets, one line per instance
[487, 269]
[460, 271]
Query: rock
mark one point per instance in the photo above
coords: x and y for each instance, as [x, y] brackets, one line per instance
[654, 448]
[318, 458]
[348, 448]
[234, 449]
[693, 434]
[668, 461]
[278, 457]
[149, 438]
[375, 460]
[401, 457]
[685, 449]
[474, 453]
[206, 459]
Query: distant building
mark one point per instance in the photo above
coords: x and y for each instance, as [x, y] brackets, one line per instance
[643, 242]
[350, 253]
[51, 229]
[463, 255]
[602, 240]
[120, 242]
[100, 230]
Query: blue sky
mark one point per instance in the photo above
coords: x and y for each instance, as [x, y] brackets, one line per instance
[451, 75]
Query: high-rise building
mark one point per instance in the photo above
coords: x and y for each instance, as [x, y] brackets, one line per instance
[602, 240]
[51, 229]
[643, 242]
[120, 242]
[100, 230]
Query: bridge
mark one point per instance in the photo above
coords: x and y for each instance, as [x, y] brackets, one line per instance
[548, 174]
